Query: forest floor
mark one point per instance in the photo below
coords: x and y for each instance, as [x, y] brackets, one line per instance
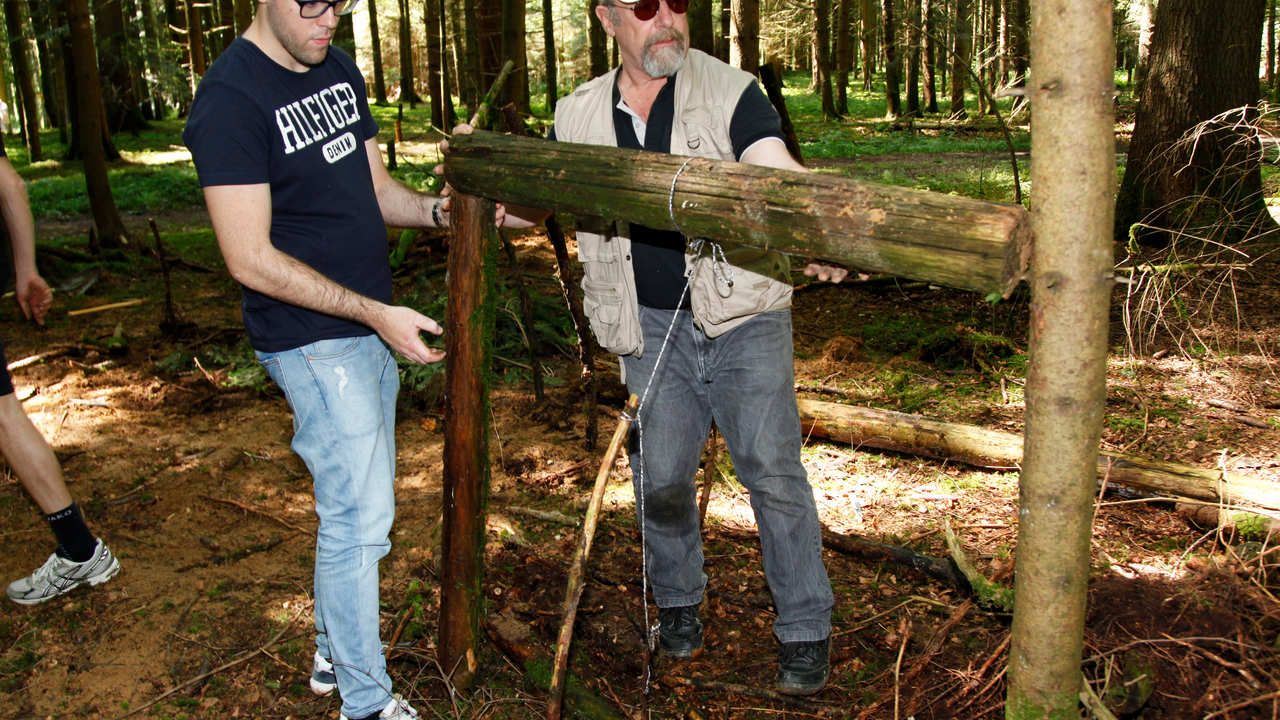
[187, 473]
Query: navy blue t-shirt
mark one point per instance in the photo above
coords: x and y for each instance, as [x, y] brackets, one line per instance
[658, 255]
[254, 121]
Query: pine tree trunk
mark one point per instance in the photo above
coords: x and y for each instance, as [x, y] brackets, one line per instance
[844, 55]
[243, 15]
[111, 231]
[722, 39]
[22, 74]
[930, 51]
[489, 26]
[227, 19]
[375, 42]
[822, 56]
[701, 36]
[598, 42]
[431, 18]
[515, 89]
[48, 75]
[1074, 177]
[891, 65]
[868, 23]
[549, 50]
[123, 113]
[744, 35]
[151, 60]
[962, 40]
[195, 41]
[913, 58]
[470, 79]
[446, 74]
[1204, 62]
[408, 89]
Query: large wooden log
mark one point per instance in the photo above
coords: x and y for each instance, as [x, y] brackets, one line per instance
[953, 241]
[973, 445]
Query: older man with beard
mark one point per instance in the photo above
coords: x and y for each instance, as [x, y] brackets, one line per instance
[704, 332]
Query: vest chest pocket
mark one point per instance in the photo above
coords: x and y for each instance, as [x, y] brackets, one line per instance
[706, 133]
[602, 288]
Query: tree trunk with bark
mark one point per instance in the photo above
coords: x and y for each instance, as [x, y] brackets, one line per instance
[598, 42]
[435, 57]
[408, 89]
[844, 54]
[891, 65]
[468, 323]
[22, 74]
[48, 74]
[123, 113]
[949, 240]
[549, 51]
[515, 89]
[375, 43]
[913, 58]
[866, 35]
[744, 35]
[821, 47]
[111, 231]
[701, 35]
[1204, 62]
[489, 42]
[962, 43]
[446, 74]
[244, 10]
[930, 87]
[1074, 177]
[195, 40]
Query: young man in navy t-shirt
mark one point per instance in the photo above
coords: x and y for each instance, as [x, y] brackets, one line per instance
[287, 153]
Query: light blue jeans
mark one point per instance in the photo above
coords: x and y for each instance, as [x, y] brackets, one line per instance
[745, 380]
[343, 396]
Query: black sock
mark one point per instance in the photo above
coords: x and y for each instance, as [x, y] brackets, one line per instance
[75, 542]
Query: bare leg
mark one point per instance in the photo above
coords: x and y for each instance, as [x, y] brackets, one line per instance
[30, 457]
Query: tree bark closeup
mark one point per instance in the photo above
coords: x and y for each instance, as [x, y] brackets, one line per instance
[953, 241]
[435, 58]
[865, 35]
[1071, 90]
[468, 326]
[744, 35]
[1203, 63]
[106, 216]
[123, 113]
[408, 90]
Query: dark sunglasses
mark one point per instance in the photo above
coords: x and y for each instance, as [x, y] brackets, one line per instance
[312, 9]
[647, 9]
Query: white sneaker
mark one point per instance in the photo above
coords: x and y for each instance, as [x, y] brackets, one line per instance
[59, 575]
[397, 709]
[323, 681]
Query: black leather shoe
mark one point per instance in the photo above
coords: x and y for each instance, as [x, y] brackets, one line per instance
[803, 667]
[680, 631]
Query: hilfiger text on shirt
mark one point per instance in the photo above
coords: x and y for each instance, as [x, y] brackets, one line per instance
[316, 117]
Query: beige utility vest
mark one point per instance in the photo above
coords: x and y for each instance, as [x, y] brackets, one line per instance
[706, 93]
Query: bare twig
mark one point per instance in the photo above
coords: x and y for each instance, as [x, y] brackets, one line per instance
[256, 511]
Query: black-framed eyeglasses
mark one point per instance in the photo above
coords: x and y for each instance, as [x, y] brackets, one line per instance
[312, 9]
[646, 9]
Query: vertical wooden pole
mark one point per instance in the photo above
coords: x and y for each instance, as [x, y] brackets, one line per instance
[468, 331]
[1071, 89]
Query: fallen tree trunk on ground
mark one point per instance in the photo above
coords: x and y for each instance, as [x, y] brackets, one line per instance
[983, 447]
[953, 241]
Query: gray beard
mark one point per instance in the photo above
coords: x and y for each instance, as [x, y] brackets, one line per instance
[665, 62]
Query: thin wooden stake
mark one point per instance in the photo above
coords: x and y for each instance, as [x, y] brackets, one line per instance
[577, 572]
[486, 102]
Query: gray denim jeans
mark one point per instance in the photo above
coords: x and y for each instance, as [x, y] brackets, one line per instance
[743, 379]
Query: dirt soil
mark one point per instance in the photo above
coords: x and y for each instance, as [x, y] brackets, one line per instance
[193, 484]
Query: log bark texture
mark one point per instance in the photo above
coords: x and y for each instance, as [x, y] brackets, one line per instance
[984, 447]
[952, 241]
[468, 326]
